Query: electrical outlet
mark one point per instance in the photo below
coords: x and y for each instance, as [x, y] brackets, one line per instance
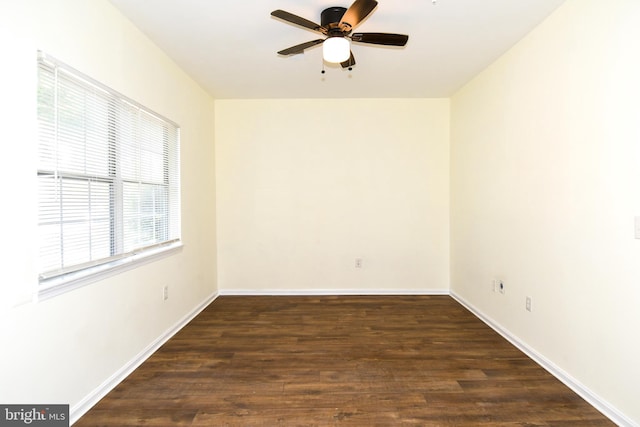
[165, 293]
[358, 262]
[501, 287]
[495, 285]
[637, 227]
[528, 304]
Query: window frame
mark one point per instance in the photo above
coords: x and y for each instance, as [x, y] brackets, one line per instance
[66, 278]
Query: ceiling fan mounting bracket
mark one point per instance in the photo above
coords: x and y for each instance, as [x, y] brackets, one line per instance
[332, 15]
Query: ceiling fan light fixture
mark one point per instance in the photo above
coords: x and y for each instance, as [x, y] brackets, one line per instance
[336, 49]
[337, 24]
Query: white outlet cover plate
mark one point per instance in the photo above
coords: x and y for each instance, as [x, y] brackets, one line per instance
[637, 234]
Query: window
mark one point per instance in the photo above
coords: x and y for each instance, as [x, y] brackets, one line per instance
[108, 178]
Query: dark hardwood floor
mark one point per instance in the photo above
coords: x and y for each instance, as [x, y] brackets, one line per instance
[340, 361]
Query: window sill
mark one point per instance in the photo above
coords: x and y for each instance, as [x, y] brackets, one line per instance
[55, 286]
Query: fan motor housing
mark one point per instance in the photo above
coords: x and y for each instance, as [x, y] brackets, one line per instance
[332, 15]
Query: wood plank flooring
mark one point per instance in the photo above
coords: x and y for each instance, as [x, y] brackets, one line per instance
[340, 361]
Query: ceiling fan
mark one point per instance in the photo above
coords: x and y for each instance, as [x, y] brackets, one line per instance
[337, 24]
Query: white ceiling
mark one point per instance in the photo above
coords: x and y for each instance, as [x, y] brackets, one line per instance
[229, 47]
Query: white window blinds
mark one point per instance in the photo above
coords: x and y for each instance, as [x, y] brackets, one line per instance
[108, 174]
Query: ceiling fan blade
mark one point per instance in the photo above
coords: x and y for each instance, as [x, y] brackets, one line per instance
[299, 48]
[387, 39]
[349, 62]
[295, 19]
[359, 10]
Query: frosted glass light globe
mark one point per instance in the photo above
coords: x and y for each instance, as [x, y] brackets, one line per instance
[336, 49]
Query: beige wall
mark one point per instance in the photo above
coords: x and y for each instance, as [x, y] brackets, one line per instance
[305, 187]
[60, 350]
[545, 184]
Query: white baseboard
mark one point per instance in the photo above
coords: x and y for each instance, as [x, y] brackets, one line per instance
[103, 389]
[329, 292]
[594, 400]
